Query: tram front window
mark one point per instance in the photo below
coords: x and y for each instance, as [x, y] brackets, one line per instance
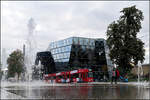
[90, 74]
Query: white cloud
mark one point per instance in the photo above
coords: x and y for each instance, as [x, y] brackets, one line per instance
[59, 20]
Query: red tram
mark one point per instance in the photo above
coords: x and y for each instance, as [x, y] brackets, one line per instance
[76, 76]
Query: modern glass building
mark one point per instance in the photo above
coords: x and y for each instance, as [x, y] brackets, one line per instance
[79, 52]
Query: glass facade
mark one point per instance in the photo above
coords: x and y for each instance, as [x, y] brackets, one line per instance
[78, 52]
[61, 50]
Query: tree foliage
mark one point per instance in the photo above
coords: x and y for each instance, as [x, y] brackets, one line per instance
[15, 63]
[122, 39]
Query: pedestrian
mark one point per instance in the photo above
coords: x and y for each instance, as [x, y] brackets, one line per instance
[117, 75]
[113, 76]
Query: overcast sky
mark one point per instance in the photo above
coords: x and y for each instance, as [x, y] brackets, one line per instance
[59, 20]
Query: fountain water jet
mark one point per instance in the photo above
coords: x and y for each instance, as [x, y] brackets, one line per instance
[30, 49]
[140, 72]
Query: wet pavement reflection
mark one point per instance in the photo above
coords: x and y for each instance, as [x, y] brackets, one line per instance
[86, 91]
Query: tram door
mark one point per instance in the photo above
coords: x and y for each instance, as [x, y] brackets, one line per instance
[84, 77]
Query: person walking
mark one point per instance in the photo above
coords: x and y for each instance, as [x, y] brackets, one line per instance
[117, 75]
[113, 76]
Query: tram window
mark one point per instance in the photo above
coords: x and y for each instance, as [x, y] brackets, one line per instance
[67, 76]
[60, 77]
[90, 74]
[49, 78]
[75, 75]
[72, 76]
[54, 77]
[84, 75]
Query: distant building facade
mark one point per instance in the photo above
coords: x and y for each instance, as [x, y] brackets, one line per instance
[145, 67]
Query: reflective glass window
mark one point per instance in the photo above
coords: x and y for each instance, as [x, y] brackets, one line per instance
[83, 47]
[86, 41]
[69, 48]
[58, 56]
[52, 51]
[92, 47]
[93, 42]
[60, 60]
[65, 43]
[81, 41]
[58, 44]
[75, 40]
[61, 55]
[64, 49]
[65, 60]
[55, 56]
[65, 55]
[68, 55]
[86, 47]
[61, 49]
[90, 43]
[69, 41]
[51, 45]
[62, 43]
[56, 50]
[54, 45]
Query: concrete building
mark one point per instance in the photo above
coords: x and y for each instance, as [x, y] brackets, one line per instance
[145, 67]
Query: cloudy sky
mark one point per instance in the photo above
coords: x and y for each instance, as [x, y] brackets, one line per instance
[58, 20]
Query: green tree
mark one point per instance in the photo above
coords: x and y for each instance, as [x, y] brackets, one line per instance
[15, 64]
[125, 47]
